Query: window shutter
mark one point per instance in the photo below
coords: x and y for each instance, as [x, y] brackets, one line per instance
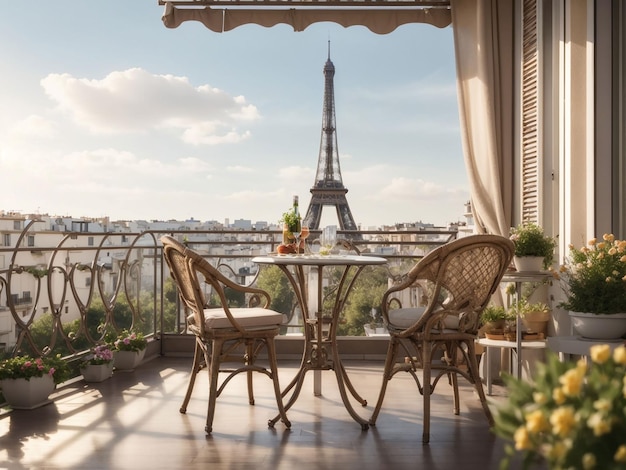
[530, 114]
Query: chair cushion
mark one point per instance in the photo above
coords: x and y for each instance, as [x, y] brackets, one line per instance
[255, 317]
[405, 317]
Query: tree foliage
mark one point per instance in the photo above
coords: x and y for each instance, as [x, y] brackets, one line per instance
[366, 294]
[272, 280]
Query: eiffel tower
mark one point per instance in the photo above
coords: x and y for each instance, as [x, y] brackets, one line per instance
[328, 189]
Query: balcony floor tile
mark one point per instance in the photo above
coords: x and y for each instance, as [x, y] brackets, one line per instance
[132, 421]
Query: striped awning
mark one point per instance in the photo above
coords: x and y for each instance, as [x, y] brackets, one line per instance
[379, 16]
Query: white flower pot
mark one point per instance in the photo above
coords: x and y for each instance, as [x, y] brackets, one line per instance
[528, 263]
[599, 326]
[22, 394]
[97, 372]
[127, 360]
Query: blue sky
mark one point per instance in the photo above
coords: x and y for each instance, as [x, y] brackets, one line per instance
[106, 112]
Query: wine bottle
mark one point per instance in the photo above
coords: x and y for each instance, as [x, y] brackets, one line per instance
[297, 224]
[292, 222]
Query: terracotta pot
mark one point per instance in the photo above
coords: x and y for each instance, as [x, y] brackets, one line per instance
[537, 322]
[494, 326]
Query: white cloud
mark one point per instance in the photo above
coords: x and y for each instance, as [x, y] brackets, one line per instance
[135, 100]
[296, 173]
[402, 188]
[34, 126]
[240, 169]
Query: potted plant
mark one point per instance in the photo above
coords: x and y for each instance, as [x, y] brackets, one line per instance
[27, 382]
[572, 415]
[493, 318]
[290, 221]
[534, 250]
[99, 364]
[594, 282]
[129, 350]
[535, 315]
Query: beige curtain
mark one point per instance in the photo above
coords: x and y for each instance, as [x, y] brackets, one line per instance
[483, 40]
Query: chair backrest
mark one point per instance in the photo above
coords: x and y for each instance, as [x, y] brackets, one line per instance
[186, 267]
[462, 276]
[177, 257]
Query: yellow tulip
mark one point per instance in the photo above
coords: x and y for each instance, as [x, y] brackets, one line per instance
[620, 454]
[571, 382]
[522, 440]
[589, 461]
[540, 398]
[600, 353]
[599, 424]
[536, 422]
[603, 404]
[559, 396]
[563, 420]
[619, 355]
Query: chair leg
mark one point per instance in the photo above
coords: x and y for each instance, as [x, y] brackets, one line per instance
[427, 390]
[214, 370]
[198, 357]
[249, 360]
[391, 354]
[478, 384]
[452, 359]
[271, 355]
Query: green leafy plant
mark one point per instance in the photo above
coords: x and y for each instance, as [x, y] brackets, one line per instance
[26, 367]
[530, 240]
[291, 219]
[572, 416]
[524, 307]
[130, 341]
[493, 314]
[594, 277]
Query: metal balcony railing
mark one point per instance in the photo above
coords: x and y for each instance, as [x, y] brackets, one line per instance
[83, 286]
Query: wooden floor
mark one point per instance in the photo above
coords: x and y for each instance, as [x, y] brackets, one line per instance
[132, 421]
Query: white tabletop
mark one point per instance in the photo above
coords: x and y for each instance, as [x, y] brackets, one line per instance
[319, 260]
[501, 343]
[525, 276]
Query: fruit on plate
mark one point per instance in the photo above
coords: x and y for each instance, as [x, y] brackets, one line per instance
[285, 249]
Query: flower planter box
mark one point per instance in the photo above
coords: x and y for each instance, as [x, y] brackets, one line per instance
[23, 394]
[97, 372]
[128, 360]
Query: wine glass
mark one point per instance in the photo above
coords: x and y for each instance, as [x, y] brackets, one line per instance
[328, 239]
[296, 230]
[304, 234]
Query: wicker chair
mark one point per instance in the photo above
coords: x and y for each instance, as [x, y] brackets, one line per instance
[453, 283]
[222, 332]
